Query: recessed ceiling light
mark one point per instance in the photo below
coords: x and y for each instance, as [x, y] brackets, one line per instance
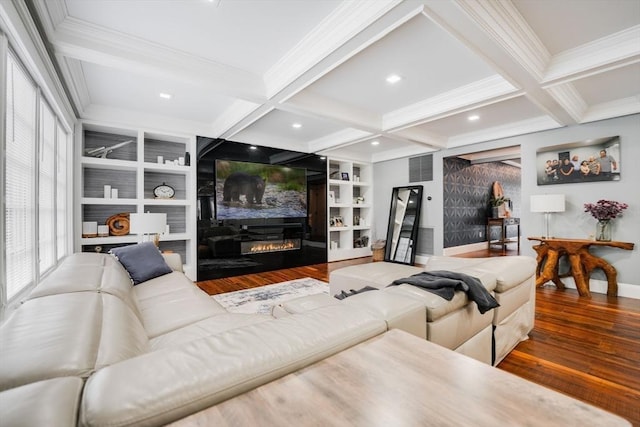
[323, 158]
[393, 78]
[253, 147]
[164, 95]
[296, 125]
[473, 118]
[375, 142]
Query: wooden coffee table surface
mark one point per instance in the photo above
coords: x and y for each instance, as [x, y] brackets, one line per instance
[396, 379]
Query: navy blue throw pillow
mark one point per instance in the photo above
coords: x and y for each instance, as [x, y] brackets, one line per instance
[142, 261]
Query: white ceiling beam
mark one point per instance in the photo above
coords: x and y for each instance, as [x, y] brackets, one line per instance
[344, 22]
[366, 37]
[339, 139]
[567, 96]
[537, 124]
[502, 21]
[496, 32]
[233, 116]
[290, 84]
[486, 91]
[420, 136]
[313, 104]
[617, 108]
[84, 41]
[613, 51]
[382, 156]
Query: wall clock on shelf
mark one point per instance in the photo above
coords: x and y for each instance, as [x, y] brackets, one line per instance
[164, 191]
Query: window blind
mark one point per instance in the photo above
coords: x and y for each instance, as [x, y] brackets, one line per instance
[62, 147]
[46, 189]
[20, 155]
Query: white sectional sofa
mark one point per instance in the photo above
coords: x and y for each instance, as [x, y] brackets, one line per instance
[87, 348]
[457, 324]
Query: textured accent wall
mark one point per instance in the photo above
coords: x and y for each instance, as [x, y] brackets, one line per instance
[467, 190]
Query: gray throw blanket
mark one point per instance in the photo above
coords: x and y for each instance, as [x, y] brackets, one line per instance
[445, 283]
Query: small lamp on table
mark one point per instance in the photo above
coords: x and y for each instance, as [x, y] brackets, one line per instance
[547, 203]
[148, 224]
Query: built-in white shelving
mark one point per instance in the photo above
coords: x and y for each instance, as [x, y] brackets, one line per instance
[349, 209]
[135, 170]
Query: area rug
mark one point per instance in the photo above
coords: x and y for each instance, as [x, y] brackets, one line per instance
[261, 299]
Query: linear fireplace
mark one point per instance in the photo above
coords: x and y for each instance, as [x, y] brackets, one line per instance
[265, 246]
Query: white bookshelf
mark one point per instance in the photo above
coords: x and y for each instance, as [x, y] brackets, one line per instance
[135, 171]
[350, 199]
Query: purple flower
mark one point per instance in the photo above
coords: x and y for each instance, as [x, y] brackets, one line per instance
[605, 209]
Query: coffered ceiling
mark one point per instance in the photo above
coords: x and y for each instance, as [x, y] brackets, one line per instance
[249, 70]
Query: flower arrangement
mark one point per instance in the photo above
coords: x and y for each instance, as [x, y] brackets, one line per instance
[605, 209]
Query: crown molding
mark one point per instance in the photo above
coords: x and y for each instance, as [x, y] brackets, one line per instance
[608, 110]
[51, 13]
[309, 103]
[421, 137]
[76, 84]
[504, 24]
[93, 43]
[137, 119]
[613, 51]
[537, 124]
[244, 122]
[485, 91]
[400, 153]
[24, 37]
[338, 139]
[237, 112]
[568, 97]
[347, 20]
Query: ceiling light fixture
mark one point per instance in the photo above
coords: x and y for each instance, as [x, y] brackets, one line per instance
[393, 79]
[296, 125]
[164, 95]
[473, 118]
[375, 142]
[253, 147]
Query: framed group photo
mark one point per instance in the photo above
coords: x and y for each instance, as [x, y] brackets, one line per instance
[581, 161]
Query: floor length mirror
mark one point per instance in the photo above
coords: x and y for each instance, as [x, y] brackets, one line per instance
[404, 220]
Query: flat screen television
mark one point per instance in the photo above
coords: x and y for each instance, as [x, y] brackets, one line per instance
[246, 190]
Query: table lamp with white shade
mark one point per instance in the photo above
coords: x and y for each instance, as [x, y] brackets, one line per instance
[547, 203]
[148, 224]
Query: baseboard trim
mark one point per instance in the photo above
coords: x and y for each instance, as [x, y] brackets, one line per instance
[456, 250]
[626, 290]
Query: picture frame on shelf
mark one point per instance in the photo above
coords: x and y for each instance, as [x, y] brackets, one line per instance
[345, 176]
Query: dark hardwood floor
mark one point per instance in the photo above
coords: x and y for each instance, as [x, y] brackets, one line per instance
[587, 348]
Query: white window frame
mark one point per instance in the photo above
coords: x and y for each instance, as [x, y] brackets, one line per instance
[62, 146]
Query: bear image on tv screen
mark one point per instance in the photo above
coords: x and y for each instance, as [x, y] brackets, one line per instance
[240, 183]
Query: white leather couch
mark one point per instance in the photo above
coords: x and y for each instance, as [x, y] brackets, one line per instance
[88, 348]
[457, 324]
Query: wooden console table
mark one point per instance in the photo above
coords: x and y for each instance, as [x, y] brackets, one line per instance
[399, 379]
[503, 223]
[582, 262]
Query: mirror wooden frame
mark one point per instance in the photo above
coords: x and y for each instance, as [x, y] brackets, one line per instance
[404, 220]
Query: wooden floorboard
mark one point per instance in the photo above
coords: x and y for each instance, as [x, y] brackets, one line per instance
[588, 348]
